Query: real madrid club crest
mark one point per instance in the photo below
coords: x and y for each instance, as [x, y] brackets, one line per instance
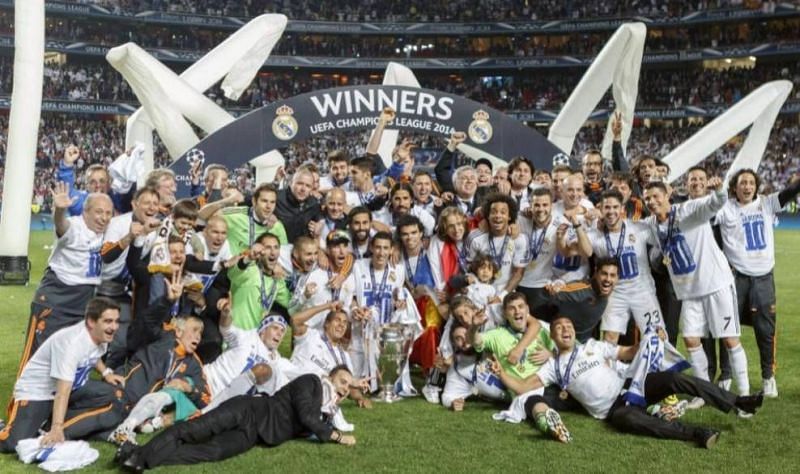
[480, 130]
[284, 126]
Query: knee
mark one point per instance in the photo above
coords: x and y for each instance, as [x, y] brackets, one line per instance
[692, 342]
[731, 342]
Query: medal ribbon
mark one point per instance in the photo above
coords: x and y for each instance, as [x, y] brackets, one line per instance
[618, 252]
[563, 381]
[493, 251]
[377, 291]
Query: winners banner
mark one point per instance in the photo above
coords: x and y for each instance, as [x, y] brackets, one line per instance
[331, 111]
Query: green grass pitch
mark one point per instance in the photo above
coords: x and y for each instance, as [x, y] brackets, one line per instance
[414, 436]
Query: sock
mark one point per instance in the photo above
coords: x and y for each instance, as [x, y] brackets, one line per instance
[699, 361]
[149, 406]
[540, 421]
[738, 360]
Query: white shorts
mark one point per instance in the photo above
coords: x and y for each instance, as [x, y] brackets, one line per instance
[642, 305]
[716, 314]
[469, 381]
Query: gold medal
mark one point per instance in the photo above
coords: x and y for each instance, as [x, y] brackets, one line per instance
[563, 395]
[666, 260]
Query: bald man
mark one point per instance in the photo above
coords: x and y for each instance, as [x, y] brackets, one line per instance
[73, 269]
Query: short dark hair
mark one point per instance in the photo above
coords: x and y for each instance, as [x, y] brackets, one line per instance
[542, 192]
[267, 235]
[356, 211]
[363, 163]
[408, 220]
[497, 197]
[338, 369]
[698, 168]
[381, 235]
[264, 188]
[513, 296]
[97, 306]
[622, 176]
[613, 194]
[606, 261]
[656, 184]
[186, 209]
[337, 155]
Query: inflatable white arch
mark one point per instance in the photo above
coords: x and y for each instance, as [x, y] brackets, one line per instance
[759, 108]
[23, 128]
[618, 65]
[167, 98]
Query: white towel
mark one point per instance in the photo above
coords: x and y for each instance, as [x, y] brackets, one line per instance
[64, 456]
[516, 411]
[654, 355]
[126, 169]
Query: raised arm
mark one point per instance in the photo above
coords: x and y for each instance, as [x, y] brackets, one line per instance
[235, 197]
[61, 203]
[301, 318]
[790, 192]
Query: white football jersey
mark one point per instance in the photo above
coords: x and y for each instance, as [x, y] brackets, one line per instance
[244, 349]
[696, 266]
[75, 258]
[323, 294]
[428, 222]
[592, 379]
[631, 250]
[538, 270]
[576, 267]
[509, 251]
[315, 354]
[748, 236]
[378, 297]
[68, 355]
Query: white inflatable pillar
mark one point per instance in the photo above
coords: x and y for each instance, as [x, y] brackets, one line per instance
[759, 108]
[168, 98]
[618, 65]
[23, 128]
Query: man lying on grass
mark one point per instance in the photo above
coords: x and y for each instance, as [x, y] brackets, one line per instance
[587, 372]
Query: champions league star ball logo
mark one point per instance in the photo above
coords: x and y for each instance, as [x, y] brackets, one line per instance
[284, 126]
[561, 159]
[480, 130]
[195, 156]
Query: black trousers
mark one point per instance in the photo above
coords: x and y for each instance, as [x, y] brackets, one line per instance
[756, 298]
[224, 432]
[670, 305]
[539, 303]
[91, 408]
[43, 323]
[658, 385]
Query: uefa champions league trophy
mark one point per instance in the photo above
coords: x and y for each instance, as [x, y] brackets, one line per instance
[392, 342]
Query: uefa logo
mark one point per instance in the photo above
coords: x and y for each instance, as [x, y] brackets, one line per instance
[284, 126]
[480, 130]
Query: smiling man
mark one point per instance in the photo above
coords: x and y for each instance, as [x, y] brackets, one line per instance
[73, 268]
[747, 222]
[588, 372]
[299, 408]
[58, 375]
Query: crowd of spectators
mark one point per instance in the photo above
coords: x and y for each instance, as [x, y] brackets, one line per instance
[546, 90]
[430, 10]
[103, 140]
[699, 36]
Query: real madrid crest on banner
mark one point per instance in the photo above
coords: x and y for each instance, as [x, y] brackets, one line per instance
[284, 126]
[480, 130]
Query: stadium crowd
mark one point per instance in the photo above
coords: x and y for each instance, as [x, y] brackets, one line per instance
[550, 291]
[440, 10]
[103, 140]
[546, 90]
[778, 31]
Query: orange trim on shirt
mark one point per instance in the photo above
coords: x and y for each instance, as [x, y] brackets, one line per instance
[108, 247]
[83, 416]
[13, 408]
[575, 286]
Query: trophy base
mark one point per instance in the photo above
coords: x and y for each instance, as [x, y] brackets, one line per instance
[386, 396]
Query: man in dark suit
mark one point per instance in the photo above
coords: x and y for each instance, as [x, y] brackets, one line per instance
[298, 409]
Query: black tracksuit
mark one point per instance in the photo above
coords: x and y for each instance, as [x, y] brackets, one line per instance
[239, 424]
